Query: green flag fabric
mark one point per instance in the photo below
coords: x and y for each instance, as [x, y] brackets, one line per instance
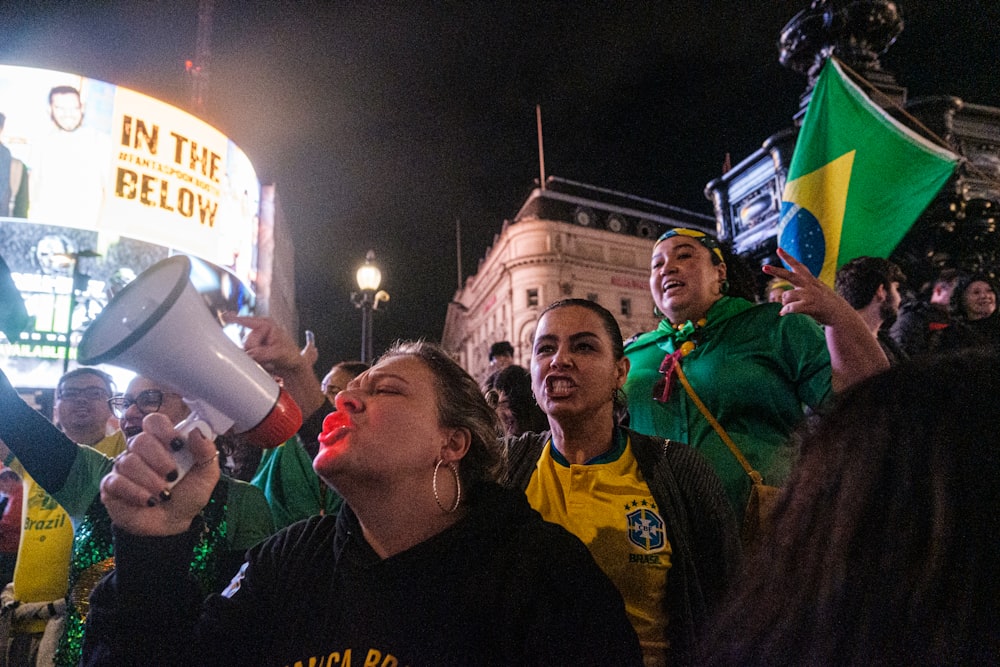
[858, 180]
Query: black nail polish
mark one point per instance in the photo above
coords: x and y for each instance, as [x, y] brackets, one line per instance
[151, 502]
[172, 476]
[165, 495]
[177, 444]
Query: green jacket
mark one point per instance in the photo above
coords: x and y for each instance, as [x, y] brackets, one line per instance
[755, 370]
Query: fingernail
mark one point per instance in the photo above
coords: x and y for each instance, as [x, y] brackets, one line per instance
[165, 495]
[151, 502]
[172, 476]
[177, 444]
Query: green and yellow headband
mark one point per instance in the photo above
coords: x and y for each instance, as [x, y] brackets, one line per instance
[701, 237]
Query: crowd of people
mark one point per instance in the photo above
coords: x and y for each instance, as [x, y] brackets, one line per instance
[585, 508]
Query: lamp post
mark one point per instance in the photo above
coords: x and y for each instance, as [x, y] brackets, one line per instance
[81, 282]
[367, 299]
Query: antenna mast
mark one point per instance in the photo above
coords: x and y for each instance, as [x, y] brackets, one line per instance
[202, 55]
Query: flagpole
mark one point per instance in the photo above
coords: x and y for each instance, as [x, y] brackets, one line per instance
[884, 100]
[541, 147]
[458, 250]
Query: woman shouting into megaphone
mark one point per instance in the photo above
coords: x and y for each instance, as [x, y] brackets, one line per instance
[429, 562]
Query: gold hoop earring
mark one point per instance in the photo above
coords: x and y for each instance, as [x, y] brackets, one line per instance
[458, 486]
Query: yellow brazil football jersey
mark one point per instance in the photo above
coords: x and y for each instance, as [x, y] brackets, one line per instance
[607, 504]
[43, 555]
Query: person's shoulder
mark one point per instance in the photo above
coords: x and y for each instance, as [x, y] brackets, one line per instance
[762, 317]
[770, 312]
[238, 486]
[308, 528]
[111, 445]
[735, 313]
[313, 530]
[651, 444]
[992, 321]
[679, 456]
[91, 457]
[914, 306]
[528, 439]
[244, 494]
[640, 340]
[525, 445]
[517, 527]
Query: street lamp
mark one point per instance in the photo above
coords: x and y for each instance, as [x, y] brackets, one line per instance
[367, 299]
[81, 282]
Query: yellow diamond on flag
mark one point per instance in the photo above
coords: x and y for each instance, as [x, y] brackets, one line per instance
[812, 216]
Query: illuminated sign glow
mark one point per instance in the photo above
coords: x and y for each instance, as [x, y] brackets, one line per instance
[108, 181]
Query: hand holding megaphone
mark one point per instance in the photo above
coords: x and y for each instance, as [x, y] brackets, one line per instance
[143, 493]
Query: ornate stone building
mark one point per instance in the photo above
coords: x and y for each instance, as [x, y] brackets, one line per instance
[567, 240]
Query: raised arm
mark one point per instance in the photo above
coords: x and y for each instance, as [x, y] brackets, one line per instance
[44, 451]
[155, 534]
[854, 353]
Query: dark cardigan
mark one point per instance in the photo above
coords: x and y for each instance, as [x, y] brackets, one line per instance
[700, 522]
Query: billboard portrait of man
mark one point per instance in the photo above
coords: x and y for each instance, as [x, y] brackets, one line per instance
[68, 185]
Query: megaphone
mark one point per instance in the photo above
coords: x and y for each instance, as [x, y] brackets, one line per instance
[158, 326]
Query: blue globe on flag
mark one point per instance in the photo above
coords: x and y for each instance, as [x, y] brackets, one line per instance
[802, 237]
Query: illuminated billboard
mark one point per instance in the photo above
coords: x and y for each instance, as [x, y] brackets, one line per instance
[104, 182]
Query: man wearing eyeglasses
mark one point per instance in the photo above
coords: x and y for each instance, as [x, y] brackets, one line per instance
[81, 409]
[40, 574]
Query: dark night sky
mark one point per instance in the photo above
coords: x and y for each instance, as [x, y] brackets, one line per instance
[383, 123]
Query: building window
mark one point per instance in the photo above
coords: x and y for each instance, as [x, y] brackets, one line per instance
[592, 296]
[626, 307]
[533, 297]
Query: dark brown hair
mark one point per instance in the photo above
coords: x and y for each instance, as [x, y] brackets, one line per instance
[460, 405]
[884, 548]
[614, 333]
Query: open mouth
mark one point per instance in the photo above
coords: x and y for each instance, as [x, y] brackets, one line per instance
[335, 426]
[670, 285]
[559, 387]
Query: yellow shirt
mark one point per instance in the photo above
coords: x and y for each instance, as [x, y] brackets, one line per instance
[608, 505]
[42, 569]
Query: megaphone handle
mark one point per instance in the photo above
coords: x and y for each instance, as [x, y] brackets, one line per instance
[182, 455]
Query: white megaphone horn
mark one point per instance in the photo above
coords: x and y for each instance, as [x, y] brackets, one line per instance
[159, 326]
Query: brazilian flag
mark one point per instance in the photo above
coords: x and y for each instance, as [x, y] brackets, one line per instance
[858, 180]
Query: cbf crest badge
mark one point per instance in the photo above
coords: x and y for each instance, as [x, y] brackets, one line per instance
[646, 528]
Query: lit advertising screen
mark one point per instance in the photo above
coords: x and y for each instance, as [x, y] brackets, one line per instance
[104, 182]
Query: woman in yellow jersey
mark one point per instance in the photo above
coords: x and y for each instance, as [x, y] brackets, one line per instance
[651, 511]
